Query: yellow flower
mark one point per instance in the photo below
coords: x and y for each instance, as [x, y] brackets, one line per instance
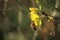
[35, 17]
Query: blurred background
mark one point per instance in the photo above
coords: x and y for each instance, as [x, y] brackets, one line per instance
[15, 21]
